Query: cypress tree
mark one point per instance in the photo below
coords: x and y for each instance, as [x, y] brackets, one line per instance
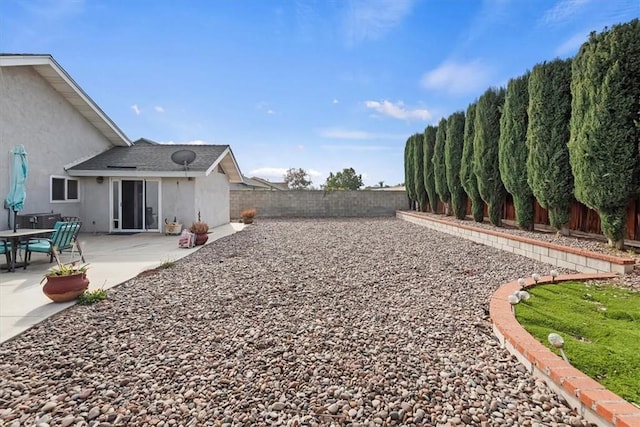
[548, 169]
[429, 179]
[467, 175]
[605, 124]
[512, 150]
[418, 170]
[439, 167]
[485, 152]
[453, 156]
[408, 172]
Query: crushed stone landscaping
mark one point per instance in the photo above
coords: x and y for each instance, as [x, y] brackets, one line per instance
[360, 322]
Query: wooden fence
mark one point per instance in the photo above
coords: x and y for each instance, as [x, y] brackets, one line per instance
[582, 218]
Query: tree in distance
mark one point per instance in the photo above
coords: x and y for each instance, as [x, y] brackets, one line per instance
[344, 180]
[296, 179]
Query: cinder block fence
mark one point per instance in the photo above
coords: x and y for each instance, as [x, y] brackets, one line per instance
[317, 203]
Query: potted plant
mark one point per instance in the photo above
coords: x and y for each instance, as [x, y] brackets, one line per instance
[248, 215]
[65, 282]
[200, 229]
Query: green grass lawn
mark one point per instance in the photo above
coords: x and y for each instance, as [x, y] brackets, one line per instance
[600, 325]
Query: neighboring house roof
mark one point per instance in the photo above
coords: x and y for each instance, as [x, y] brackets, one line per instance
[58, 78]
[255, 183]
[149, 158]
[275, 185]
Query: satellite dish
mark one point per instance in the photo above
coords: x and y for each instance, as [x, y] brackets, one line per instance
[183, 158]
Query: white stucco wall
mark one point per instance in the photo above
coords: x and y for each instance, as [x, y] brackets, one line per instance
[94, 210]
[177, 200]
[54, 134]
[212, 199]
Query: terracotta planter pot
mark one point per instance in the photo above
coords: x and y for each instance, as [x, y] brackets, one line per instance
[65, 288]
[201, 239]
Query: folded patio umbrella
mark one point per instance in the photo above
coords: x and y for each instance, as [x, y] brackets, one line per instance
[17, 190]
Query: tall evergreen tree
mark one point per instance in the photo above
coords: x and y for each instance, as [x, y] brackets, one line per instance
[453, 157]
[418, 169]
[512, 150]
[467, 175]
[439, 167]
[429, 179]
[605, 125]
[485, 152]
[408, 172]
[548, 169]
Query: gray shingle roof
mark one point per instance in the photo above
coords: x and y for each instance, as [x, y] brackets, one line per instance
[149, 157]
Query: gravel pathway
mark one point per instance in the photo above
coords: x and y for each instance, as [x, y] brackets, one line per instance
[302, 323]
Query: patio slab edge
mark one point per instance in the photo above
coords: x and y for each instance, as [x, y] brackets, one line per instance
[557, 255]
[589, 398]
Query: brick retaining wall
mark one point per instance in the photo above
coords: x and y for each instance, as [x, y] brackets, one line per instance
[317, 203]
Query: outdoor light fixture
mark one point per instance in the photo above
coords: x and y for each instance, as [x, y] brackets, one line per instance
[554, 274]
[558, 342]
[535, 277]
[100, 179]
[523, 295]
[522, 282]
[513, 300]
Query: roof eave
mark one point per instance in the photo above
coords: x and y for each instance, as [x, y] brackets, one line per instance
[136, 173]
[94, 114]
[228, 162]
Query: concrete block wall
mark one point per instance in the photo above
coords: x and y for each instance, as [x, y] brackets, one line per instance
[317, 203]
[560, 256]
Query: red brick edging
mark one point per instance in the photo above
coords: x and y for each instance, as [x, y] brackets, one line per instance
[592, 400]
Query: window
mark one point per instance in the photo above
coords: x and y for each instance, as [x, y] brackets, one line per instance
[64, 189]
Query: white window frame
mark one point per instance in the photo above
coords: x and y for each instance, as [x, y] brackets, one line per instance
[66, 189]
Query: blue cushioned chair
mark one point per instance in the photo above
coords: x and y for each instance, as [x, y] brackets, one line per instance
[5, 248]
[63, 237]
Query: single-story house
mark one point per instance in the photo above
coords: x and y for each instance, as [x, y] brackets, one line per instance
[81, 164]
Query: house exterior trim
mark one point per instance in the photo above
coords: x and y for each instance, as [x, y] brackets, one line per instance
[58, 78]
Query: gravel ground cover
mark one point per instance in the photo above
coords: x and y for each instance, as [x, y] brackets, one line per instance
[301, 323]
[580, 241]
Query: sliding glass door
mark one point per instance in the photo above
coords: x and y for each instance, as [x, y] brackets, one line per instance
[135, 205]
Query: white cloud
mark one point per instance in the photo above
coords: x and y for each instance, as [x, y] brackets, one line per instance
[335, 101]
[457, 78]
[339, 133]
[159, 109]
[398, 110]
[264, 106]
[572, 44]
[136, 109]
[563, 10]
[372, 19]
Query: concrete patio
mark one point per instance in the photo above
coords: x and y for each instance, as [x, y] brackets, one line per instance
[113, 260]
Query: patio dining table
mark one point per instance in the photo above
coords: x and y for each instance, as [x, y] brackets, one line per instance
[15, 237]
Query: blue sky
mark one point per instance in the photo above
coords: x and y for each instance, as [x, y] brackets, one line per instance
[316, 84]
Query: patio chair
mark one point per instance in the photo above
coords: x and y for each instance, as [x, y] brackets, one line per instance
[64, 237]
[5, 248]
